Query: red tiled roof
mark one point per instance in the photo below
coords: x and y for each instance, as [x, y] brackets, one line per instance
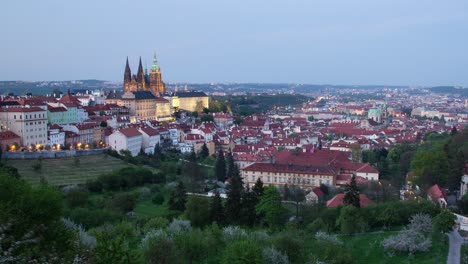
[435, 192]
[7, 135]
[269, 167]
[338, 200]
[130, 132]
[150, 131]
[23, 109]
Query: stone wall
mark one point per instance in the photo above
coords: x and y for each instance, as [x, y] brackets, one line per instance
[51, 154]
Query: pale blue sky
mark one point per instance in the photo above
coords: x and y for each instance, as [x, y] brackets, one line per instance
[402, 42]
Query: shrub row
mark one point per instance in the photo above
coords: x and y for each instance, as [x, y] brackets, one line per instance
[124, 179]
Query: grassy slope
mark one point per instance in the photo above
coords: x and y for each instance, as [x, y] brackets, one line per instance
[65, 171]
[368, 249]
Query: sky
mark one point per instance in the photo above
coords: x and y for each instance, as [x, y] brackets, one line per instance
[388, 42]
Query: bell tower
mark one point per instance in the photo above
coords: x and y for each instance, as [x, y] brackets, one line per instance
[156, 84]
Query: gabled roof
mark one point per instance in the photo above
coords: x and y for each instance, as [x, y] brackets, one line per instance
[337, 200]
[130, 132]
[435, 192]
[149, 131]
[5, 135]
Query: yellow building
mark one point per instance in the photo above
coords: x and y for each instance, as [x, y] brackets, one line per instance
[163, 109]
[191, 101]
[141, 104]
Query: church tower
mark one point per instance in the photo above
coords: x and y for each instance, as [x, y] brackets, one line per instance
[141, 82]
[156, 84]
[127, 77]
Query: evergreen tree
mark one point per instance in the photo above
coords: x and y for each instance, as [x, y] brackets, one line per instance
[351, 196]
[204, 152]
[271, 208]
[249, 200]
[178, 198]
[230, 165]
[234, 196]
[454, 131]
[157, 153]
[217, 209]
[220, 167]
[258, 188]
[192, 156]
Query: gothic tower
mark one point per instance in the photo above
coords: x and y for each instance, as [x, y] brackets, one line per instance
[127, 77]
[141, 82]
[156, 84]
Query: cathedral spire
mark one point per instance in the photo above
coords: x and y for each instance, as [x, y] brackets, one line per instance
[155, 65]
[140, 74]
[128, 73]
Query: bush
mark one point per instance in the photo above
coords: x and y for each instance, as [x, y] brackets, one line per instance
[94, 186]
[421, 223]
[77, 197]
[272, 256]
[92, 218]
[351, 220]
[322, 236]
[198, 210]
[144, 193]
[158, 247]
[123, 202]
[178, 226]
[158, 198]
[242, 252]
[233, 233]
[409, 241]
[290, 245]
[444, 221]
[316, 225]
[155, 224]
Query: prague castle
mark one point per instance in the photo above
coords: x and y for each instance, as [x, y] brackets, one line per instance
[143, 81]
[146, 98]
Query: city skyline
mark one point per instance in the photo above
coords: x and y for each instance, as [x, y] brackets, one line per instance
[337, 42]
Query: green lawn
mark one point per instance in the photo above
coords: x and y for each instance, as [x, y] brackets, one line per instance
[368, 248]
[67, 171]
[147, 208]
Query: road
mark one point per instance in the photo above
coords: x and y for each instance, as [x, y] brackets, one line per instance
[455, 243]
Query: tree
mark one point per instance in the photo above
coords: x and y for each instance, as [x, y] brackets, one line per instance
[351, 220]
[233, 201]
[30, 219]
[242, 252]
[453, 131]
[311, 118]
[220, 167]
[204, 152]
[230, 165]
[270, 207]
[123, 202]
[192, 245]
[158, 247]
[157, 153]
[258, 188]
[103, 124]
[178, 198]
[198, 210]
[248, 214]
[193, 172]
[351, 196]
[217, 209]
[444, 221]
[297, 195]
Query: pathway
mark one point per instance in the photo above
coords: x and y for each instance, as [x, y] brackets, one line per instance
[455, 243]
